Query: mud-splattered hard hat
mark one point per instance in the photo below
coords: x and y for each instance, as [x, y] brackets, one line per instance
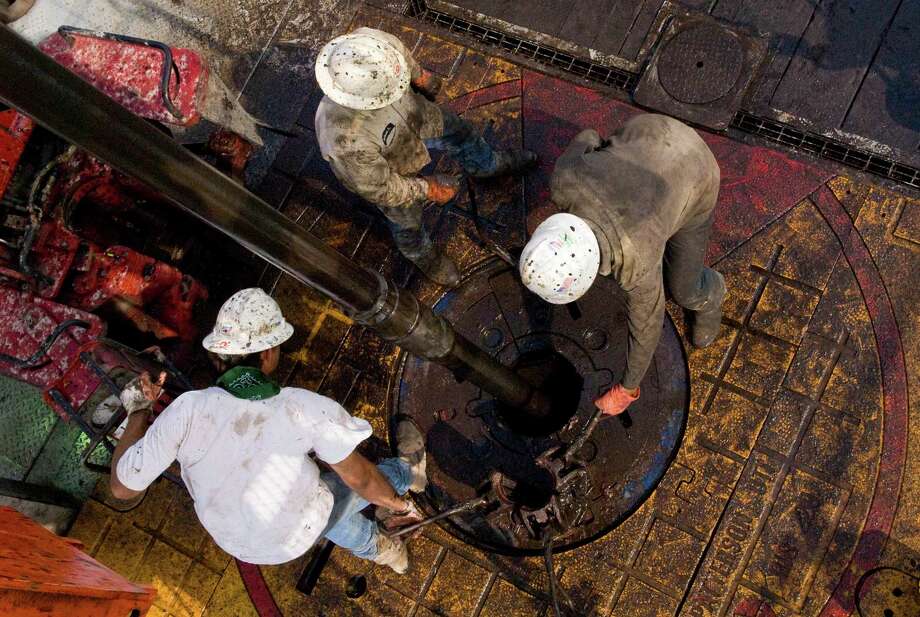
[363, 69]
[560, 262]
[250, 321]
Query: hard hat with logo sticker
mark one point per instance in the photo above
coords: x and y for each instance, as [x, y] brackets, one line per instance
[363, 70]
[250, 321]
[560, 262]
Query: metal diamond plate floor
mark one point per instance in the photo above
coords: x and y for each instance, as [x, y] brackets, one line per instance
[795, 491]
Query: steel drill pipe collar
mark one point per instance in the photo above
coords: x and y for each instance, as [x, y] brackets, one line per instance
[70, 107]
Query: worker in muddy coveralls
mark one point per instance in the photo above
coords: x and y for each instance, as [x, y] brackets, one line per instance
[244, 446]
[375, 127]
[637, 207]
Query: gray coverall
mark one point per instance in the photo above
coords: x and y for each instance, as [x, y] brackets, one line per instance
[378, 153]
[649, 196]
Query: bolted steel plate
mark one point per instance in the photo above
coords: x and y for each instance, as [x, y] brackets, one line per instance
[575, 352]
[701, 64]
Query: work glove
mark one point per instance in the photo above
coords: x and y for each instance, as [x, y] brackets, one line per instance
[428, 84]
[616, 400]
[393, 521]
[140, 393]
[442, 188]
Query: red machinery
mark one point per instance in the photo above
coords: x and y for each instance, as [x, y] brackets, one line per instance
[43, 574]
[84, 248]
[167, 84]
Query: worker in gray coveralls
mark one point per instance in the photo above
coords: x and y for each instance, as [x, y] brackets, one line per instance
[374, 127]
[637, 207]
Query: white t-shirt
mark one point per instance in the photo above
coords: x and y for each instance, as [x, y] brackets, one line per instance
[247, 468]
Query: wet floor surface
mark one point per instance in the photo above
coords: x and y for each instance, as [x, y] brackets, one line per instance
[797, 475]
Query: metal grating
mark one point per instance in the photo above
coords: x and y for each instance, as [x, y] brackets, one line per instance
[548, 56]
[827, 148]
[770, 130]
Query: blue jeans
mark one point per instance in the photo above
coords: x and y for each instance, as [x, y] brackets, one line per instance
[464, 144]
[347, 527]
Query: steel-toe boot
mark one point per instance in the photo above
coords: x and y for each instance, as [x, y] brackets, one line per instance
[705, 323]
[391, 552]
[438, 268]
[508, 162]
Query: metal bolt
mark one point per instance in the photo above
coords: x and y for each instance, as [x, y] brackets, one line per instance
[492, 337]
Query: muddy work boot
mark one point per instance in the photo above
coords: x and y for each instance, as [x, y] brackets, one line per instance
[705, 323]
[508, 162]
[391, 552]
[438, 268]
[410, 445]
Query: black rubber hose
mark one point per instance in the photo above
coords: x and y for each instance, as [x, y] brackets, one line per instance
[32, 360]
[551, 574]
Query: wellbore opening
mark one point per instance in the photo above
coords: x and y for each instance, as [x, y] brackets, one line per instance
[558, 381]
[476, 445]
[533, 494]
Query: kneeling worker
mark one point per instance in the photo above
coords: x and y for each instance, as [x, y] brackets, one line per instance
[374, 127]
[637, 207]
[244, 448]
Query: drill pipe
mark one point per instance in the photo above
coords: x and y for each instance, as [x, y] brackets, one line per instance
[62, 102]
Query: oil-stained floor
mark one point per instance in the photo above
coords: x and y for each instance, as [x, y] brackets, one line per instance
[796, 490]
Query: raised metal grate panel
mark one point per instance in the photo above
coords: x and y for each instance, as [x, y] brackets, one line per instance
[531, 50]
[827, 148]
[771, 130]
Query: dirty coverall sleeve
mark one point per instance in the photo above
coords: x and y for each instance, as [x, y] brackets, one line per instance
[153, 453]
[644, 315]
[371, 178]
[645, 300]
[571, 161]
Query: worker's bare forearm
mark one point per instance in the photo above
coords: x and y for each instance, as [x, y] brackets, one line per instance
[378, 491]
[363, 477]
[135, 429]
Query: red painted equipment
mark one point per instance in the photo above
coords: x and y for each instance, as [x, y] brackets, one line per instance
[51, 278]
[39, 338]
[15, 129]
[232, 152]
[173, 85]
[42, 574]
[55, 271]
[151, 79]
[131, 281]
[85, 249]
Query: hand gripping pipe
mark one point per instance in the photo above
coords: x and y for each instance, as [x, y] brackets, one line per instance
[73, 109]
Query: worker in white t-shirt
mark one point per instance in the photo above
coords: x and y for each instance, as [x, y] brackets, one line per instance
[244, 446]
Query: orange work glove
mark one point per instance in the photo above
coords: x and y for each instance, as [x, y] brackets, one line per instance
[442, 188]
[616, 400]
[428, 84]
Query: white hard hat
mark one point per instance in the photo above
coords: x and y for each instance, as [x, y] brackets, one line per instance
[362, 70]
[250, 321]
[560, 262]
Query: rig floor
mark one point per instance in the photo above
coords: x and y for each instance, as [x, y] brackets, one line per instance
[796, 489]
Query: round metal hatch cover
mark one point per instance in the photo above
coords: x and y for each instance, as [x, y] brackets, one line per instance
[701, 64]
[576, 352]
